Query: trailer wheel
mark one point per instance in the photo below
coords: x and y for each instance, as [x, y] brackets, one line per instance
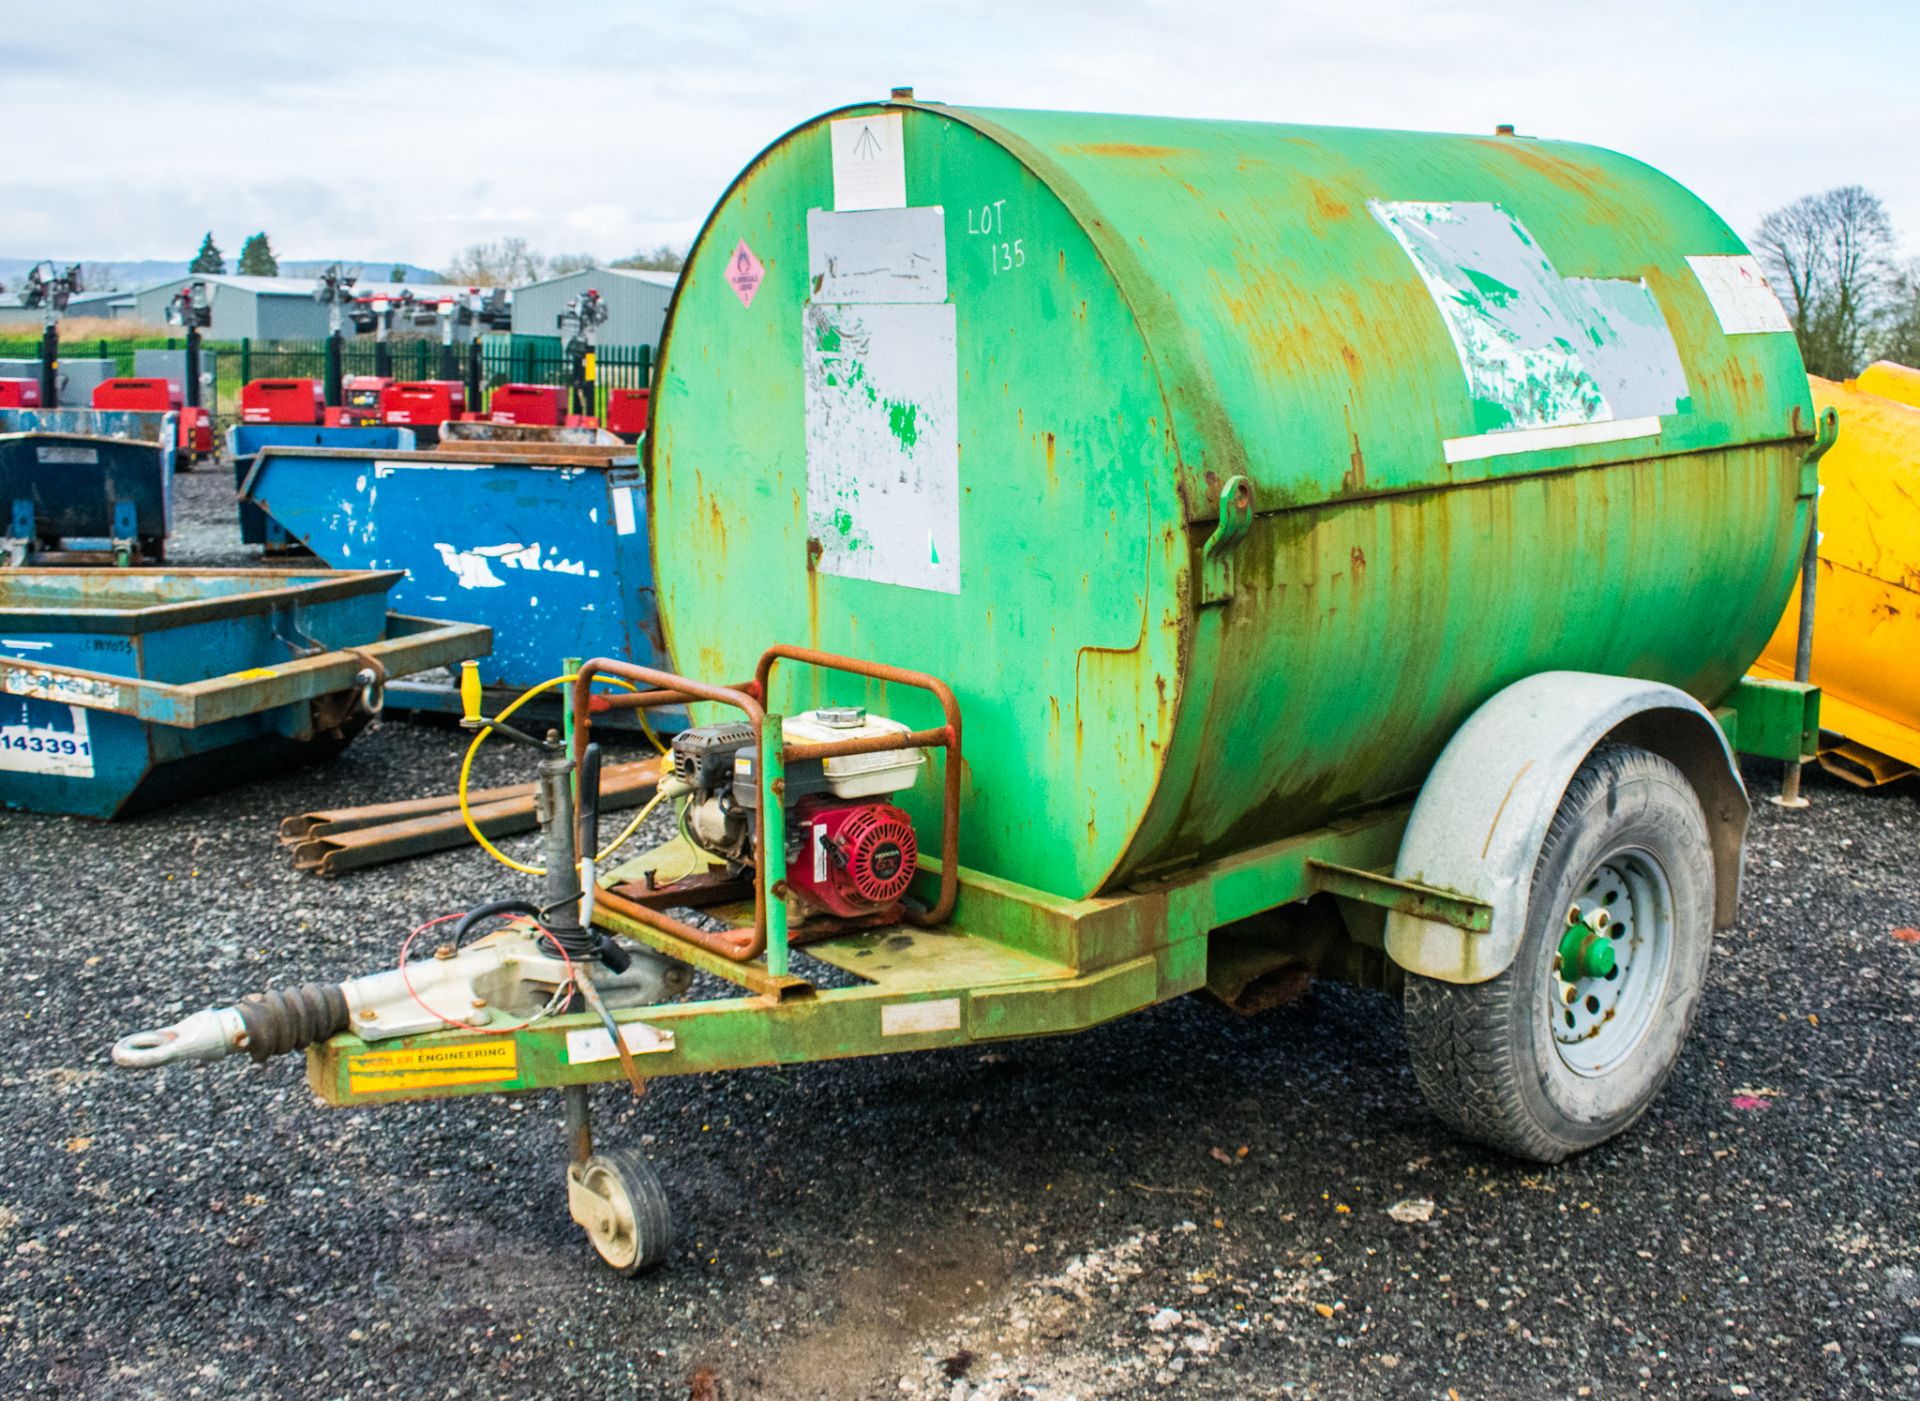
[630, 1226]
[1570, 1044]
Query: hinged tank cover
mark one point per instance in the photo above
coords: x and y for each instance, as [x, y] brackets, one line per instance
[961, 390]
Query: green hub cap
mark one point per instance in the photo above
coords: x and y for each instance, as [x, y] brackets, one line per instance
[1584, 953]
[1612, 965]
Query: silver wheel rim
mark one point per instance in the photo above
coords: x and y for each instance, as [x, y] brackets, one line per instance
[1598, 1023]
[621, 1244]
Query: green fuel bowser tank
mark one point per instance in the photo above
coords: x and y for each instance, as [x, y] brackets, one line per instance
[1223, 468]
[1271, 552]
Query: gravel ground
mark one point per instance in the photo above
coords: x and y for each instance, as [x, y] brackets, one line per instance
[1183, 1203]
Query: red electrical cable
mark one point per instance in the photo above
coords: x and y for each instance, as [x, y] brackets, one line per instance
[407, 983]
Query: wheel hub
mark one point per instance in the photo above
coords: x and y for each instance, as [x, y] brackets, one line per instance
[1585, 952]
[1610, 968]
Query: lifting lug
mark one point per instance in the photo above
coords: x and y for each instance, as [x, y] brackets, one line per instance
[1216, 556]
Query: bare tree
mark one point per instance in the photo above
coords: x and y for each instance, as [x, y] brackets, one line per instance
[509, 263]
[561, 263]
[1900, 328]
[1829, 256]
[665, 258]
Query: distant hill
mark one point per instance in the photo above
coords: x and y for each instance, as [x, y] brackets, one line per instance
[129, 273]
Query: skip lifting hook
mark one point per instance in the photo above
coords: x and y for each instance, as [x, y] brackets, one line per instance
[370, 684]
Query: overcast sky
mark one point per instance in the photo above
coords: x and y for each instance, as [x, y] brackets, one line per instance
[411, 128]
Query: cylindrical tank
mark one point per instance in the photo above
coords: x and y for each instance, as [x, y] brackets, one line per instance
[963, 390]
[1866, 615]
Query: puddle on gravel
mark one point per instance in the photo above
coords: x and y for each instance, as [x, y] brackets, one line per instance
[882, 1310]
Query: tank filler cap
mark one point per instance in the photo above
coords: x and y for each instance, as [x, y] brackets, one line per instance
[902, 95]
[1504, 129]
[842, 717]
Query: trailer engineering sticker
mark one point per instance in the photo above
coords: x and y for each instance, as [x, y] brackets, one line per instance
[433, 1067]
[41, 737]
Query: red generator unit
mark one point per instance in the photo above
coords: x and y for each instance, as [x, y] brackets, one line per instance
[295, 401]
[422, 403]
[627, 411]
[19, 394]
[144, 394]
[360, 401]
[535, 405]
[137, 395]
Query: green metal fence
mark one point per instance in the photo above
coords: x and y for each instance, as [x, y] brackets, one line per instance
[119, 351]
[505, 359]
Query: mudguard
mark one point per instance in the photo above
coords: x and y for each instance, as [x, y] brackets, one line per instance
[1483, 813]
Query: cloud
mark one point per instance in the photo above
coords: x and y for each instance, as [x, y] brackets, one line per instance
[408, 131]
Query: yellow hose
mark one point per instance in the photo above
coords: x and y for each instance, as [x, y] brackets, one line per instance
[466, 772]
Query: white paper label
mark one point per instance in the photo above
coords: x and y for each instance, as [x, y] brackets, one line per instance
[914, 1018]
[1738, 293]
[593, 1044]
[623, 510]
[819, 852]
[878, 255]
[1550, 361]
[883, 442]
[1484, 445]
[47, 739]
[869, 163]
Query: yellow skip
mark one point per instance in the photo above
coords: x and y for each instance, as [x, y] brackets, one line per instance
[1866, 630]
[1900, 383]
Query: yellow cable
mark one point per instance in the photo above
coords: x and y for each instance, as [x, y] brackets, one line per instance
[646, 810]
[466, 773]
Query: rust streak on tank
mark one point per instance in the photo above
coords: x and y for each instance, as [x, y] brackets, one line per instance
[1129, 149]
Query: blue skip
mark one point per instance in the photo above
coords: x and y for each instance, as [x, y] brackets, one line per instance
[544, 543]
[123, 689]
[85, 482]
[245, 440]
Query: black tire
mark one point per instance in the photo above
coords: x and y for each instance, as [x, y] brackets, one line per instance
[1486, 1055]
[627, 1172]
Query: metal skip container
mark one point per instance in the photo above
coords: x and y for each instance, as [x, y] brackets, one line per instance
[124, 689]
[92, 478]
[1224, 469]
[541, 539]
[1866, 635]
[245, 440]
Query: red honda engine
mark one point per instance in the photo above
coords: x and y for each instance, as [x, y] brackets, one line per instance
[855, 858]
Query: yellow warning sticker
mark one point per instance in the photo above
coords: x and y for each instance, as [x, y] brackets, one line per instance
[257, 673]
[374, 1072]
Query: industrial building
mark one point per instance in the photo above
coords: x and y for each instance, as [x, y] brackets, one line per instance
[636, 302]
[269, 308]
[14, 316]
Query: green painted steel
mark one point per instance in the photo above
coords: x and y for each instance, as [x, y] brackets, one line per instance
[1774, 719]
[1137, 311]
[773, 809]
[1013, 963]
[1585, 954]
